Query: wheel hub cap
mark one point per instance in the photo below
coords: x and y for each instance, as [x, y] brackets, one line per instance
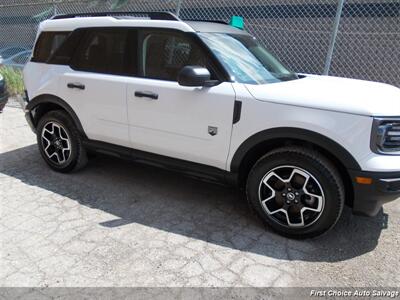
[56, 143]
[291, 196]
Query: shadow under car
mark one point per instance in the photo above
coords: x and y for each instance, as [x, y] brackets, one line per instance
[170, 202]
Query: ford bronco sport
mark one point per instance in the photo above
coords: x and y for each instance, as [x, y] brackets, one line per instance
[206, 99]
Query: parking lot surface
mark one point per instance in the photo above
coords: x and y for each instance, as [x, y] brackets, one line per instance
[117, 223]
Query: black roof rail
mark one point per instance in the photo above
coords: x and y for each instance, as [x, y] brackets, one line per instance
[210, 21]
[154, 15]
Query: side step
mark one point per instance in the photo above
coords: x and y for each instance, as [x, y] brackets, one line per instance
[198, 171]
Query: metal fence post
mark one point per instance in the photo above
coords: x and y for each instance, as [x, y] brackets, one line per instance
[178, 7]
[54, 7]
[332, 43]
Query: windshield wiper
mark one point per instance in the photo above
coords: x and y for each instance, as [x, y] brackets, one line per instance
[287, 77]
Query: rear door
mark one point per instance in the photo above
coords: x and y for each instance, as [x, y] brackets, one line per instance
[95, 85]
[190, 123]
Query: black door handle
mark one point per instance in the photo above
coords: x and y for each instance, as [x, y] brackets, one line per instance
[76, 86]
[150, 95]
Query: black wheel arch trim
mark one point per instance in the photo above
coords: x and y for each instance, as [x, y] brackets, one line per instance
[318, 139]
[49, 98]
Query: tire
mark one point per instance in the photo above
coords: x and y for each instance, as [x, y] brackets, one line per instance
[60, 143]
[303, 183]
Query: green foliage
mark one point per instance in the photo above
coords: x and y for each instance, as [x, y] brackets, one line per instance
[14, 81]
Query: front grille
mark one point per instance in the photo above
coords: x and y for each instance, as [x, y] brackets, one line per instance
[388, 136]
[392, 139]
[395, 186]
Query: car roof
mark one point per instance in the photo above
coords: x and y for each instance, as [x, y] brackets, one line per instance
[109, 21]
[135, 19]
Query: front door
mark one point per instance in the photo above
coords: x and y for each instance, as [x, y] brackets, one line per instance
[189, 123]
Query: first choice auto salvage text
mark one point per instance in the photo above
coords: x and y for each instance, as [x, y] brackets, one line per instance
[355, 293]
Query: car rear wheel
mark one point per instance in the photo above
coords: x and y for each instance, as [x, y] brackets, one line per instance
[296, 191]
[60, 143]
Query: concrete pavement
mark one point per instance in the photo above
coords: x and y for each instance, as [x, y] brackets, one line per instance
[116, 223]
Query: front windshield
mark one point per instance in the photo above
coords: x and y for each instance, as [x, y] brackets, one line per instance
[245, 59]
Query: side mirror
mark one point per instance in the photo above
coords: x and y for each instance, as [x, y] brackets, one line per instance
[195, 76]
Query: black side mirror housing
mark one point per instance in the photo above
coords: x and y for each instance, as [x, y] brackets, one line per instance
[195, 76]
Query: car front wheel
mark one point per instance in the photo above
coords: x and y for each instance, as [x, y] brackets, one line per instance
[296, 191]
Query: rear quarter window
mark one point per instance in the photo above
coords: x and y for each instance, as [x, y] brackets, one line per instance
[107, 51]
[47, 44]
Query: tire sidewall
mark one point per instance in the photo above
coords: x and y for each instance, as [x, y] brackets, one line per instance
[333, 196]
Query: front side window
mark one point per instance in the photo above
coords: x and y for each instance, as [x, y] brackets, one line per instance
[245, 59]
[164, 53]
[103, 51]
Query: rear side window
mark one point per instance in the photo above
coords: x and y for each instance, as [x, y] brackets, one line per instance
[65, 52]
[47, 44]
[105, 51]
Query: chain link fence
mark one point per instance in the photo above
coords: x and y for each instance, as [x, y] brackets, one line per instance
[352, 38]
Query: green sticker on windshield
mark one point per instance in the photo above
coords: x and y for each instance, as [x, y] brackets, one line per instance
[237, 21]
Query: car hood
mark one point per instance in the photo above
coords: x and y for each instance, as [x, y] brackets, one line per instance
[333, 93]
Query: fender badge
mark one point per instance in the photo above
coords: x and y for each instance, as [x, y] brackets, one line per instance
[212, 130]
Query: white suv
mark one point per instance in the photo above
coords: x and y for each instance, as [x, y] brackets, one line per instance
[207, 99]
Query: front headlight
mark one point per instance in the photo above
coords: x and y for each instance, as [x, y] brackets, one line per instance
[386, 136]
[1, 77]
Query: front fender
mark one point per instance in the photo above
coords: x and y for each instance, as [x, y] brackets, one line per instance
[295, 134]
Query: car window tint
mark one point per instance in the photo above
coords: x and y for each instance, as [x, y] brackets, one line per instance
[47, 44]
[66, 50]
[103, 52]
[164, 54]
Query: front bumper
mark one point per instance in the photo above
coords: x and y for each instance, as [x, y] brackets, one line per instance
[369, 198]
